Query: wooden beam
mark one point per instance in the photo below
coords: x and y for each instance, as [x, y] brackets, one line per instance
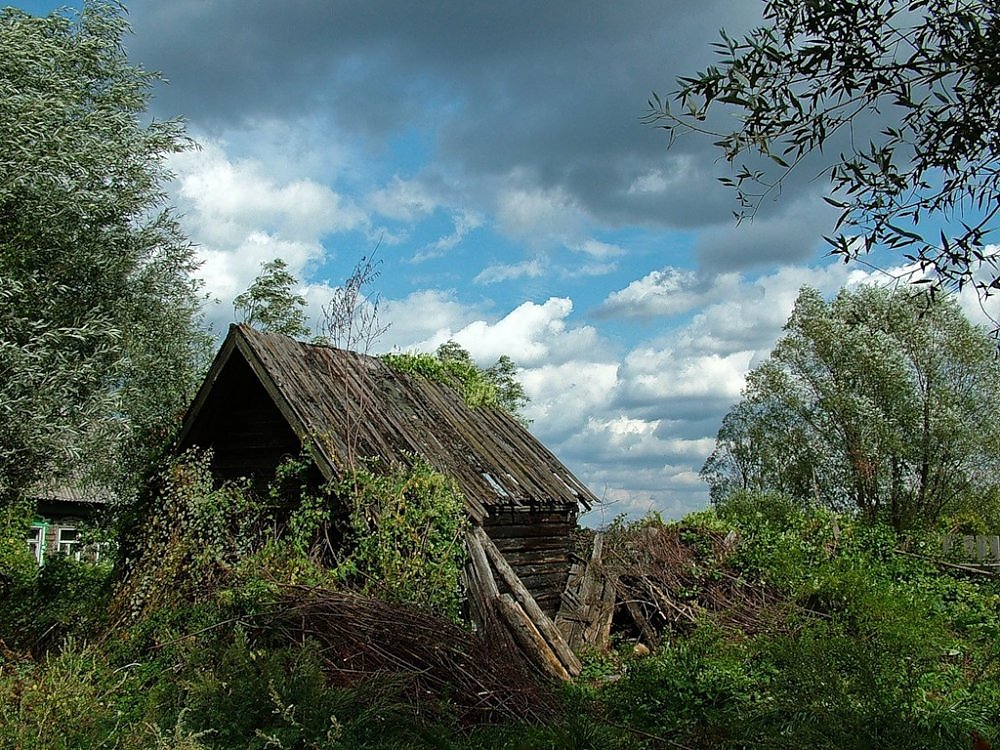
[635, 612]
[481, 566]
[527, 601]
[529, 639]
[588, 603]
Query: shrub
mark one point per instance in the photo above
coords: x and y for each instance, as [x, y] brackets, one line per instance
[192, 536]
[405, 537]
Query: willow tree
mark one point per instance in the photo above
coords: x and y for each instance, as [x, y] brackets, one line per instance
[874, 402]
[100, 335]
[897, 102]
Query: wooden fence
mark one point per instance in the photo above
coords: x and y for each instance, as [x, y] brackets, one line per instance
[980, 548]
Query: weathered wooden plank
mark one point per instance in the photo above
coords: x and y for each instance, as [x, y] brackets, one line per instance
[556, 534]
[984, 549]
[539, 565]
[553, 563]
[587, 605]
[542, 554]
[548, 604]
[540, 561]
[482, 587]
[481, 565]
[545, 527]
[635, 612]
[530, 639]
[555, 568]
[549, 583]
[552, 512]
[597, 632]
[524, 597]
[543, 546]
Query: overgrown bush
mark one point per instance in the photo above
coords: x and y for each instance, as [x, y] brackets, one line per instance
[695, 688]
[495, 386]
[401, 539]
[192, 537]
[878, 649]
[40, 606]
[66, 597]
[17, 566]
[754, 508]
[891, 651]
[405, 536]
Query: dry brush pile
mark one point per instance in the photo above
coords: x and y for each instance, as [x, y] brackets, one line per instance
[668, 578]
[428, 659]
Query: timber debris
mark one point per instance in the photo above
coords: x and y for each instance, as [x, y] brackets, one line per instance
[513, 615]
[430, 660]
[639, 583]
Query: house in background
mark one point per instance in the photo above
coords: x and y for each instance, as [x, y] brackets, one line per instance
[266, 396]
[60, 512]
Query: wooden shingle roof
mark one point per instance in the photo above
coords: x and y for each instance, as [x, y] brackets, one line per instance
[350, 406]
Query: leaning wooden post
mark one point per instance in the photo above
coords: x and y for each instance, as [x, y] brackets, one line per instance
[483, 590]
[529, 639]
[477, 556]
[542, 621]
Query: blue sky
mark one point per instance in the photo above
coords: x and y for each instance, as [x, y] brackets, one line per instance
[494, 153]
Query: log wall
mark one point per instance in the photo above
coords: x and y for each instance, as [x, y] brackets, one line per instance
[537, 544]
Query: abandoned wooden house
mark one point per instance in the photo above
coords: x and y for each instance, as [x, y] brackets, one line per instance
[266, 396]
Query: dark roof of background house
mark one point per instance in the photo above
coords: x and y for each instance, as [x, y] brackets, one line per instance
[75, 494]
[348, 405]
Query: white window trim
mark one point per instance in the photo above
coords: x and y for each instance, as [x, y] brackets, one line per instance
[38, 541]
[68, 546]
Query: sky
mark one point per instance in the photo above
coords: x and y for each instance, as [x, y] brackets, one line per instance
[493, 154]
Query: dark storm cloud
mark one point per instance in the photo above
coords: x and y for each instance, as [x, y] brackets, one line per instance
[791, 234]
[551, 91]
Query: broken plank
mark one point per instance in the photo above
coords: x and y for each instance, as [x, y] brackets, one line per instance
[529, 639]
[524, 597]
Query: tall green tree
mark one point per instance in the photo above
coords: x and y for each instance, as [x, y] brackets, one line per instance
[100, 333]
[498, 383]
[896, 101]
[271, 302]
[873, 402]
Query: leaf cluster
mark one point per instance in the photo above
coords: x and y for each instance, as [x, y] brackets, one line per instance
[405, 537]
[900, 101]
[271, 304]
[100, 332]
[193, 535]
[394, 533]
[873, 402]
[884, 650]
[451, 364]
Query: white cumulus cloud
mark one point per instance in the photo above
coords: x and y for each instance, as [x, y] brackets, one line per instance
[403, 200]
[668, 291]
[509, 271]
[239, 217]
